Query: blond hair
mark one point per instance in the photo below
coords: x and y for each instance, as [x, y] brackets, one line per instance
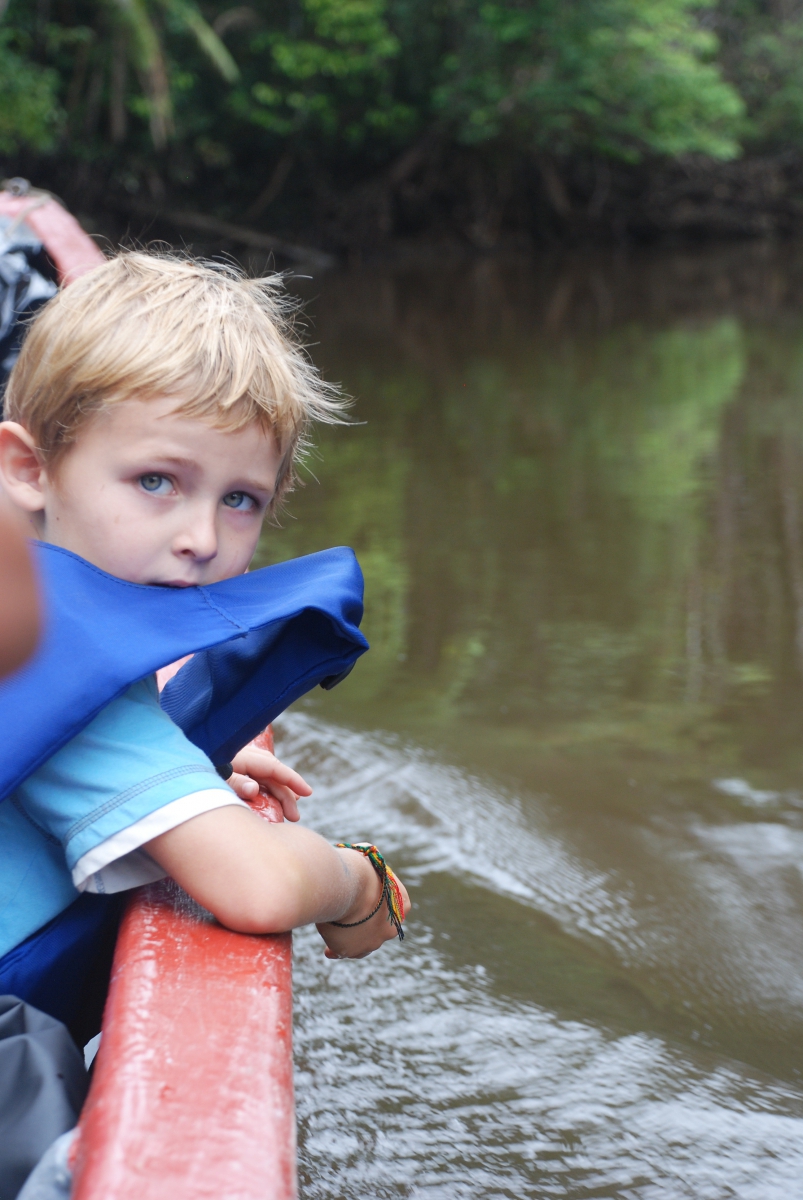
[146, 324]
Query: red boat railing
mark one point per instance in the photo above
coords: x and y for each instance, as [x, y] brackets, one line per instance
[192, 1092]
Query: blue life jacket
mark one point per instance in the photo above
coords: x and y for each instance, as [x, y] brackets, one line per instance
[260, 641]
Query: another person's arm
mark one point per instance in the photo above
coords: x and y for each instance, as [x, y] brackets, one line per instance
[19, 603]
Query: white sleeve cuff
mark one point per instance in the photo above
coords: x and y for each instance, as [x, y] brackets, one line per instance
[118, 863]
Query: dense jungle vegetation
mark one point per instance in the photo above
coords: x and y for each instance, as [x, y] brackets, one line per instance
[355, 120]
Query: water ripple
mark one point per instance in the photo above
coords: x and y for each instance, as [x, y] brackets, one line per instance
[419, 1083]
[416, 1080]
[434, 817]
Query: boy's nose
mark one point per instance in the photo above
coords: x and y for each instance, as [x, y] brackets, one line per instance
[198, 539]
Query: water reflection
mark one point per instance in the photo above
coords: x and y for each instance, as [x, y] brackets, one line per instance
[586, 540]
[577, 495]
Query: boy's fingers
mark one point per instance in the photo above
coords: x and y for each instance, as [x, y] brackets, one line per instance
[248, 789]
[264, 766]
[243, 786]
[287, 798]
[289, 805]
[276, 789]
[291, 779]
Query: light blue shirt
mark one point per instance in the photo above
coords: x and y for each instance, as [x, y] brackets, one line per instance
[130, 761]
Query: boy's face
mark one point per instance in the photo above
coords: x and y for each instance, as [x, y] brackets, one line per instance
[152, 496]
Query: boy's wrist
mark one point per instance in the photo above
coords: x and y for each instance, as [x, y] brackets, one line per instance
[368, 886]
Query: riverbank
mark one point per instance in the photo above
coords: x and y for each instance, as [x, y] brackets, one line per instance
[463, 208]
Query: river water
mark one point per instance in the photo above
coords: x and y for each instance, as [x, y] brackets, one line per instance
[576, 491]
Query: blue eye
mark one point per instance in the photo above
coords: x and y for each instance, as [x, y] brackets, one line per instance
[157, 485]
[241, 501]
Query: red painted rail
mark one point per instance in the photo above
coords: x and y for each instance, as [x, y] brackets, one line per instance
[192, 1094]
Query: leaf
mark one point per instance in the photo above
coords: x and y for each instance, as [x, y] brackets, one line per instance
[29, 111]
[186, 13]
[150, 62]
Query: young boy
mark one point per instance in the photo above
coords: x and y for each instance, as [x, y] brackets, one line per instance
[155, 415]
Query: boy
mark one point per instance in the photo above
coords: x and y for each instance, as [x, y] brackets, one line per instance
[155, 415]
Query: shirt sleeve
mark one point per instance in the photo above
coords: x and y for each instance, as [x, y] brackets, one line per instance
[128, 776]
[118, 863]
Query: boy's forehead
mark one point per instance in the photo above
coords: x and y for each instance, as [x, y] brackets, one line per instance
[168, 419]
[157, 426]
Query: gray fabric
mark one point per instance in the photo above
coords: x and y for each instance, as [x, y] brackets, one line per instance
[51, 1179]
[23, 288]
[42, 1087]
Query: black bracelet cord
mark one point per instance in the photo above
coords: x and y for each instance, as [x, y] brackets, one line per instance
[391, 895]
[354, 924]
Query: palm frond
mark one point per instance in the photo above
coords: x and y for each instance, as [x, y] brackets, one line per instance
[187, 13]
[149, 60]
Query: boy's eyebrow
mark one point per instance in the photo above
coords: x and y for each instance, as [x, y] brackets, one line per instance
[175, 460]
[178, 460]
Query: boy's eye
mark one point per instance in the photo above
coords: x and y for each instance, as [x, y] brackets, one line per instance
[157, 485]
[241, 501]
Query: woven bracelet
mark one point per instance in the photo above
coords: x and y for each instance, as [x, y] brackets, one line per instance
[391, 892]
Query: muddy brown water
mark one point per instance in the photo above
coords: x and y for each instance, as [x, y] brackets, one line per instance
[576, 491]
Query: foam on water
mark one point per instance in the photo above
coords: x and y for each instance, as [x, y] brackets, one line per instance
[439, 819]
[730, 908]
[752, 875]
[414, 1079]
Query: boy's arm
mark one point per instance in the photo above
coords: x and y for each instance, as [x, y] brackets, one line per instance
[259, 877]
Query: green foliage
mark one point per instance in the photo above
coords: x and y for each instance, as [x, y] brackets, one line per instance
[186, 16]
[29, 113]
[88, 47]
[330, 77]
[614, 77]
[771, 78]
[244, 92]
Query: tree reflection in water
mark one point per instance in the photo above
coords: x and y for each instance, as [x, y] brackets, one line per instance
[579, 527]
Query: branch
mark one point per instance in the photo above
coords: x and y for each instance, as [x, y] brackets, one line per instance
[309, 255]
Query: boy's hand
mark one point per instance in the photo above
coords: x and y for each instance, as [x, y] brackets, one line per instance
[362, 940]
[256, 769]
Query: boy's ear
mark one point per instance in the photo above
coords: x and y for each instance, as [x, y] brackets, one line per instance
[22, 472]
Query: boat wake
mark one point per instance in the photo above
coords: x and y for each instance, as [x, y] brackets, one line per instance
[432, 817]
[416, 1079]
